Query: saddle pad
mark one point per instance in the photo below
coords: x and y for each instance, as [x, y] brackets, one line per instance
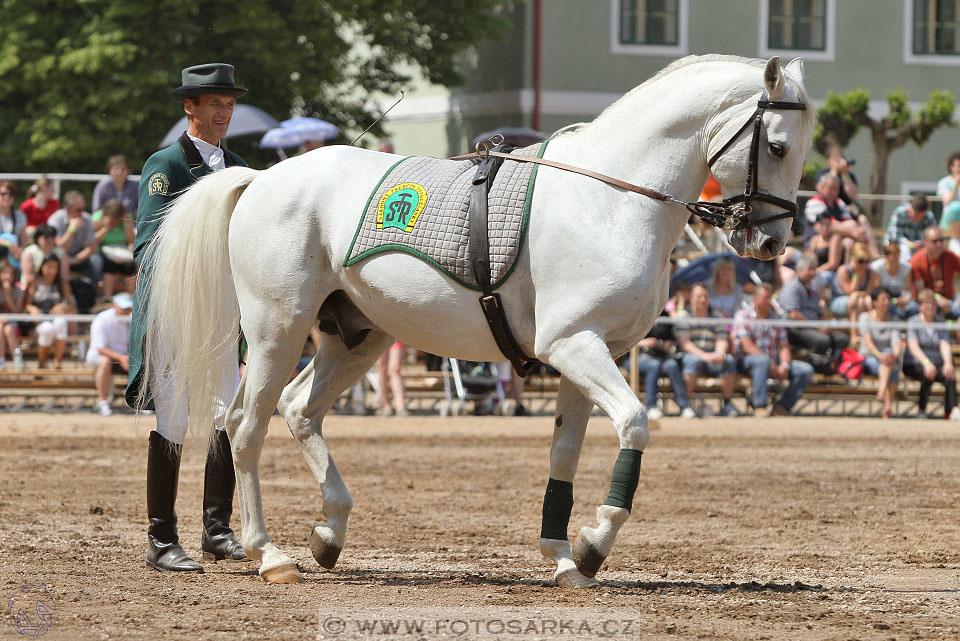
[421, 206]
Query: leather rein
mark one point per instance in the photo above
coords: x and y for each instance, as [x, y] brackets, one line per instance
[729, 214]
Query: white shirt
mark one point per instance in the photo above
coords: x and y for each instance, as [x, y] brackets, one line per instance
[110, 331]
[211, 154]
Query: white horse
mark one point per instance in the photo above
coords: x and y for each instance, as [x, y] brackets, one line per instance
[264, 250]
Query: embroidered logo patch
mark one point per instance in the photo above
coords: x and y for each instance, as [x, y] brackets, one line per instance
[158, 184]
[401, 206]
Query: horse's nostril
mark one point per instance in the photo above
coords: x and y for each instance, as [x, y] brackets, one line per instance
[769, 246]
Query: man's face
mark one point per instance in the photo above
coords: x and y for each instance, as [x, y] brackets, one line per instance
[119, 171]
[761, 301]
[77, 207]
[829, 190]
[916, 215]
[700, 301]
[209, 116]
[806, 274]
[933, 243]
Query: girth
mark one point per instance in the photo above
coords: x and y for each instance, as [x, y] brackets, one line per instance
[479, 247]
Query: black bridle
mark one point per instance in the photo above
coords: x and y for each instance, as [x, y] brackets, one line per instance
[732, 212]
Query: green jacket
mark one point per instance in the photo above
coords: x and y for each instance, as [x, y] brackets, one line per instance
[165, 174]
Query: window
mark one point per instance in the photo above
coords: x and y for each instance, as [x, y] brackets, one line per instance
[936, 27]
[649, 22]
[649, 27]
[797, 25]
[798, 28]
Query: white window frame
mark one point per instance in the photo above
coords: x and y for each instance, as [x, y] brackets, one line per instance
[679, 49]
[830, 36]
[911, 58]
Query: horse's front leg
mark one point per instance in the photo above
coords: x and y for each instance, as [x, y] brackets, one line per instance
[585, 361]
[570, 426]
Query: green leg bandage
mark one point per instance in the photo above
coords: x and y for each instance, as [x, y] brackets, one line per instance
[557, 504]
[623, 483]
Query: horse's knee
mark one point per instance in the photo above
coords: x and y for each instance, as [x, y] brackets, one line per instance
[636, 434]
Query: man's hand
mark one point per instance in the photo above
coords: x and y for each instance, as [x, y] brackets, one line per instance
[647, 343]
[780, 372]
[948, 371]
[930, 371]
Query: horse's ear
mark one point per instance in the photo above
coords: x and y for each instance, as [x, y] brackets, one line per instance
[795, 69]
[773, 79]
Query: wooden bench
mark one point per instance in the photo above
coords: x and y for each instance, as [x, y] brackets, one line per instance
[51, 389]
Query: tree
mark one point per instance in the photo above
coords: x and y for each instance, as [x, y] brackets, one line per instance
[843, 115]
[81, 80]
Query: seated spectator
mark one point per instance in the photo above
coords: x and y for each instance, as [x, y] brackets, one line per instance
[949, 194]
[117, 186]
[881, 347]
[389, 378]
[75, 235]
[853, 284]
[50, 294]
[935, 267]
[11, 302]
[929, 357]
[826, 245]
[706, 349]
[654, 360]
[679, 303]
[41, 206]
[726, 295]
[33, 255]
[894, 273]
[800, 300]
[852, 229]
[907, 223]
[13, 225]
[839, 166]
[764, 352]
[109, 348]
[115, 235]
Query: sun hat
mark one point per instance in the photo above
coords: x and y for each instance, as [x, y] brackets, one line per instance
[215, 78]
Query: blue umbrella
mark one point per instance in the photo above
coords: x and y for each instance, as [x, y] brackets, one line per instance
[700, 269]
[246, 120]
[295, 131]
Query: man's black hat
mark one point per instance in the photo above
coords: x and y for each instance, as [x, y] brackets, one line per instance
[215, 78]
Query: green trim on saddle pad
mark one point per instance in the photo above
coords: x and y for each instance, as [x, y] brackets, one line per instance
[525, 219]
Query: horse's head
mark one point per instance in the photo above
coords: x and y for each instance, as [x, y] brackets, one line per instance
[760, 165]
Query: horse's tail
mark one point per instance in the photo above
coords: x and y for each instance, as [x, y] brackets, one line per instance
[193, 315]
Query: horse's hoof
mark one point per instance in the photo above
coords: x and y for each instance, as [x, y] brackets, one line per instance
[325, 553]
[285, 573]
[571, 578]
[587, 558]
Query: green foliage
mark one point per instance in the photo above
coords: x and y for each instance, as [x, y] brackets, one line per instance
[936, 111]
[840, 118]
[81, 80]
[899, 108]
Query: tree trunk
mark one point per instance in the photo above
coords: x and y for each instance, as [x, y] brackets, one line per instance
[878, 173]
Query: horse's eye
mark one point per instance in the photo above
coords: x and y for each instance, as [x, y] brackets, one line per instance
[777, 149]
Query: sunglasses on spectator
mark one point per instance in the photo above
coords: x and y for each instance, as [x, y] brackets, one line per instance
[6, 193]
[936, 240]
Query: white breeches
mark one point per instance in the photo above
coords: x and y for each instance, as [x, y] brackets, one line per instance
[51, 330]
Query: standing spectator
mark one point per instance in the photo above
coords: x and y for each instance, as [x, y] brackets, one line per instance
[764, 352]
[50, 294]
[45, 244]
[706, 349]
[109, 348]
[726, 295]
[800, 300]
[118, 186]
[839, 166]
[389, 378]
[853, 284]
[41, 206]
[929, 357]
[935, 267]
[908, 222]
[11, 302]
[655, 359]
[115, 235]
[894, 273]
[948, 190]
[76, 236]
[881, 347]
[13, 224]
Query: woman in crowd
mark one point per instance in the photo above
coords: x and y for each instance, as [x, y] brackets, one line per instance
[826, 245]
[881, 347]
[679, 303]
[45, 245]
[11, 302]
[726, 295]
[50, 294]
[948, 189]
[40, 207]
[390, 380]
[894, 273]
[853, 284]
[929, 357]
[13, 225]
[118, 186]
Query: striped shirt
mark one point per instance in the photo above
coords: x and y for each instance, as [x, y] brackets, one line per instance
[706, 338]
[795, 297]
[901, 228]
[766, 337]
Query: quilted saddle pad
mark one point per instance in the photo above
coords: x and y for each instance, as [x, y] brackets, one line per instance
[421, 206]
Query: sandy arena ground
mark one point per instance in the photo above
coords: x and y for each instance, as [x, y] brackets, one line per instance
[742, 529]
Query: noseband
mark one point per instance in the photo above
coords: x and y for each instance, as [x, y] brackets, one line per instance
[732, 212]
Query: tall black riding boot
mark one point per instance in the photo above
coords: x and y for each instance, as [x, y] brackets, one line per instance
[163, 544]
[218, 542]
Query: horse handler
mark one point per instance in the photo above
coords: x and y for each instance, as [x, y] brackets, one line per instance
[209, 94]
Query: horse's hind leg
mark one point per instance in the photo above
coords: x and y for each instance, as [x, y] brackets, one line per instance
[304, 403]
[585, 360]
[570, 426]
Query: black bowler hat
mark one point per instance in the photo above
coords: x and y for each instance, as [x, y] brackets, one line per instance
[214, 78]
